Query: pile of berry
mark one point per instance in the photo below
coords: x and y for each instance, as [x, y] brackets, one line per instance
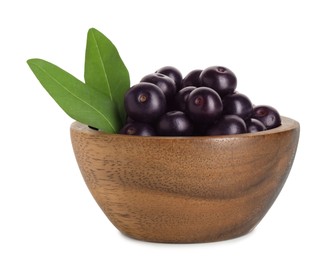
[204, 102]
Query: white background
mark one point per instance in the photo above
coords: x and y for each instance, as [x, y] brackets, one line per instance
[277, 49]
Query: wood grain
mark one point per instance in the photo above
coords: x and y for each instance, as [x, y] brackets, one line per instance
[185, 189]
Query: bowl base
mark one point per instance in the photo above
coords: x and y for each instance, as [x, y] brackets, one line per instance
[188, 241]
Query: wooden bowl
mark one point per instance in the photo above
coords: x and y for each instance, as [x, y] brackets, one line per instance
[185, 189]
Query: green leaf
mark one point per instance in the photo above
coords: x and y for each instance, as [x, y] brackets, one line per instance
[104, 69]
[81, 102]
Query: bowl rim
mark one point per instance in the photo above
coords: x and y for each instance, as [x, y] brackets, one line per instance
[287, 124]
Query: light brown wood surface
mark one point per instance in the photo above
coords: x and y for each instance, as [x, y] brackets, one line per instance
[185, 189]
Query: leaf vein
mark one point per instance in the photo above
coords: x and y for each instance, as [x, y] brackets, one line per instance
[103, 66]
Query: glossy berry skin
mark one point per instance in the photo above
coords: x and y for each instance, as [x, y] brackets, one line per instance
[174, 123]
[173, 73]
[182, 97]
[192, 79]
[136, 128]
[268, 115]
[221, 79]
[228, 125]
[253, 125]
[165, 83]
[145, 102]
[204, 105]
[237, 104]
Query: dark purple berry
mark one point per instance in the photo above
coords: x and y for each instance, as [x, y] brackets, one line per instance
[268, 115]
[145, 102]
[129, 120]
[237, 104]
[228, 125]
[165, 83]
[204, 105]
[221, 79]
[137, 128]
[182, 97]
[173, 73]
[201, 129]
[192, 79]
[253, 125]
[174, 123]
